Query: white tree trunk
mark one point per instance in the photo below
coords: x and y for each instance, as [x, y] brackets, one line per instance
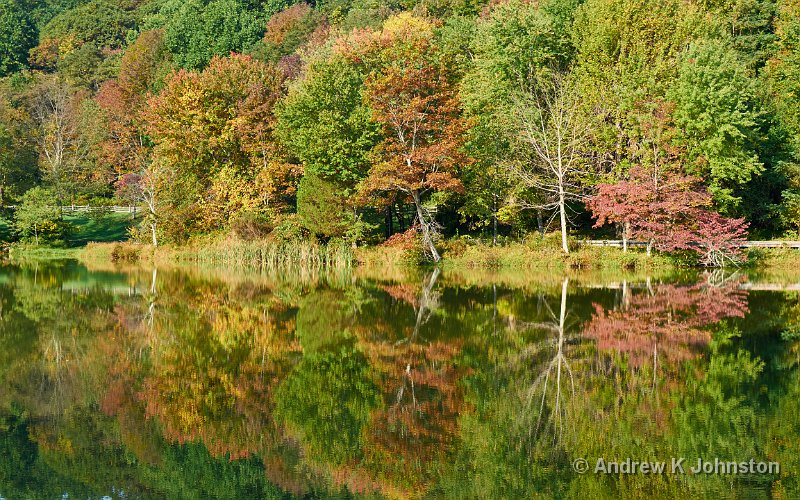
[153, 233]
[427, 237]
[563, 213]
[625, 231]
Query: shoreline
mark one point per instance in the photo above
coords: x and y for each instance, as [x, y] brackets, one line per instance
[462, 254]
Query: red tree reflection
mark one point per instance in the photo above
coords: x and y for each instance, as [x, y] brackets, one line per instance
[666, 323]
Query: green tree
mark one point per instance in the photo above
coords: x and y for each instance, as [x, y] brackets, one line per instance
[782, 76]
[719, 119]
[516, 42]
[202, 29]
[322, 208]
[101, 22]
[38, 215]
[17, 36]
[324, 122]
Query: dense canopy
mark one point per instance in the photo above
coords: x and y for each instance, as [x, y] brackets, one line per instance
[453, 117]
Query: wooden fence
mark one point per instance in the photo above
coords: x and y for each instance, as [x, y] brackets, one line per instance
[746, 244]
[86, 208]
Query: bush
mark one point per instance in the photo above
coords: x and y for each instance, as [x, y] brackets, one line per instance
[37, 218]
[322, 207]
[252, 225]
[125, 253]
[100, 209]
[289, 230]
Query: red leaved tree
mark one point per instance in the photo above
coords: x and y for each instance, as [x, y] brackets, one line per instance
[669, 211]
[658, 203]
[414, 99]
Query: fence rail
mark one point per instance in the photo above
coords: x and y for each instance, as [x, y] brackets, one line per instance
[746, 244]
[112, 208]
[87, 208]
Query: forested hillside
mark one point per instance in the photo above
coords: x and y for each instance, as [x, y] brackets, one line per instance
[670, 121]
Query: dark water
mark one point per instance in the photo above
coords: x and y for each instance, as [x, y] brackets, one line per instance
[173, 384]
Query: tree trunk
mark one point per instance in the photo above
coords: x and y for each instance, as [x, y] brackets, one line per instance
[401, 223]
[427, 237]
[153, 233]
[388, 219]
[563, 312]
[563, 213]
[354, 243]
[36, 235]
[625, 228]
[494, 221]
[649, 247]
[540, 222]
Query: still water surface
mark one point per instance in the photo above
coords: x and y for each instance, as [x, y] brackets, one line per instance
[190, 384]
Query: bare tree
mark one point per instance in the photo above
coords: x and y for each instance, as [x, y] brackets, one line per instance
[550, 137]
[153, 178]
[62, 149]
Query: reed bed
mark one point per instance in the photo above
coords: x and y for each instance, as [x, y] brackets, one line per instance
[270, 256]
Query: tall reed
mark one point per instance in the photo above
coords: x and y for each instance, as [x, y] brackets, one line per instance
[271, 256]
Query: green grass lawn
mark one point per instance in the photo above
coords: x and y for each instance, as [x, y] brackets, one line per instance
[113, 227]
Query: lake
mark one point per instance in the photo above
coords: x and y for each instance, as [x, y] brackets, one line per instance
[170, 383]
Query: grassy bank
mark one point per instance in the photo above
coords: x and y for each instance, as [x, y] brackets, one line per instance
[27, 252]
[533, 253]
[111, 228]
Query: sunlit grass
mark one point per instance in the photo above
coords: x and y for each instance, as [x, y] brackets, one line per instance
[112, 227]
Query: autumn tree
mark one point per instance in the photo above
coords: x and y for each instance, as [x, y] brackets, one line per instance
[18, 155]
[288, 30]
[55, 109]
[670, 211]
[126, 149]
[649, 204]
[213, 137]
[414, 100]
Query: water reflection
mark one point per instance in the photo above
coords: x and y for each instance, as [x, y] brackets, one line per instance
[167, 383]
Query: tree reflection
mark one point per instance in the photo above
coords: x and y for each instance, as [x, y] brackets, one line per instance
[666, 324]
[552, 401]
[203, 384]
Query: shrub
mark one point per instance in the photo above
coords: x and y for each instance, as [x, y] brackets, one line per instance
[322, 207]
[289, 230]
[100, 209]
[37, 217]
[252, 225]
[125, 253]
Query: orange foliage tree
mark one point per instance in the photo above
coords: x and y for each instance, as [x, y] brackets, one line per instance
[413, 96]
[213, 132]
